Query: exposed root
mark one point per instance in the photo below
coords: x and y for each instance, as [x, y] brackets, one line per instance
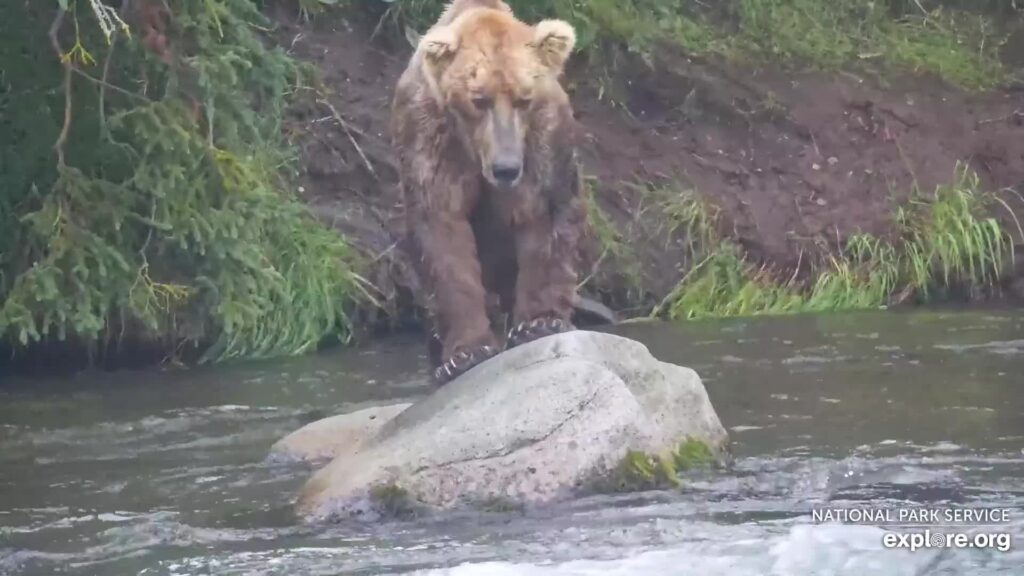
[348, 132]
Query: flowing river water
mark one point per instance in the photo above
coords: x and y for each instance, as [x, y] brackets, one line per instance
[164, 472]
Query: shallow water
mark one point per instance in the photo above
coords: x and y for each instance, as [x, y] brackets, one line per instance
[162, 473]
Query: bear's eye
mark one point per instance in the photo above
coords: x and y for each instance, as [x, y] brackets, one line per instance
[482, 102]
[521, 103]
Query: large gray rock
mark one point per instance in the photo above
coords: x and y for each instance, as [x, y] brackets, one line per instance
[528, 426]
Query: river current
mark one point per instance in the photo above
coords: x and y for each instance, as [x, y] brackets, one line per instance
[164, 472]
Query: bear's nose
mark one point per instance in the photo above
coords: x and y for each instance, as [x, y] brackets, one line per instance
[506, 173]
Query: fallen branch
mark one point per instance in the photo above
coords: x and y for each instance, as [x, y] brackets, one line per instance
[348, 132]
[104, 84]
[62, 139]
[1018, 113]
[103, 80]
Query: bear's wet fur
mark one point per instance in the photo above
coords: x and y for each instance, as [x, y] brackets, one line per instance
[486, 144]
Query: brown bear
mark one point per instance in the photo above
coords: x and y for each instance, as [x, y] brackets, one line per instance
[486, 144]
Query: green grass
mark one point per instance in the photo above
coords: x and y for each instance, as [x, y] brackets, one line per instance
[688, 215]
[956, 46]
[948, 41]
[946, 242]
[617, 266]
[609, 240]
[724, 284]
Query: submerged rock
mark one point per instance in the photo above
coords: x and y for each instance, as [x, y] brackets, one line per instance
[330, 437]
[534, 424]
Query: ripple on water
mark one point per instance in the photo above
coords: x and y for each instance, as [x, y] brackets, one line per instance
[752, 520]
[1002, 347]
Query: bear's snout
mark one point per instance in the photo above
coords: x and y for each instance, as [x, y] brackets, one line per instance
[506, 142]
[506, 172]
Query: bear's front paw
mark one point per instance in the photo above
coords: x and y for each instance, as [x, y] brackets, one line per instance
[461, 363]
[534, 329]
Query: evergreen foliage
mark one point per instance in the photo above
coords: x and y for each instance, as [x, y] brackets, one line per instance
[167, 214]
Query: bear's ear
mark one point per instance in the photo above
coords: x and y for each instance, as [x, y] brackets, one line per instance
[439, 46]
[553, 40]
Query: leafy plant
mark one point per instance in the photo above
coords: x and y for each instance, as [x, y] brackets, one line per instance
[168, 216]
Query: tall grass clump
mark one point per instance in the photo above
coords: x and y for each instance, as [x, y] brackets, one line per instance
[165, 215]
[690, 216]
[946, 243]
[951, 241]
[724, 284]
[616, 264]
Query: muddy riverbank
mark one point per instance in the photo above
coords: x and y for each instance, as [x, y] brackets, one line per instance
[792, 163]
[756, 181]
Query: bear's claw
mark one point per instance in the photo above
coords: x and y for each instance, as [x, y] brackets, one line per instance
[462, 362]
[535, 329]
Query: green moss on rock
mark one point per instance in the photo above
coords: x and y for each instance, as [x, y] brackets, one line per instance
[692, 454]
[639, 471]
[393, 501]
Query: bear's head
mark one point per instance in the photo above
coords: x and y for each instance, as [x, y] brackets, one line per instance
[497, 77]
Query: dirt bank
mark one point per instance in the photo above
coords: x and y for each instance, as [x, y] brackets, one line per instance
[794, 162]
